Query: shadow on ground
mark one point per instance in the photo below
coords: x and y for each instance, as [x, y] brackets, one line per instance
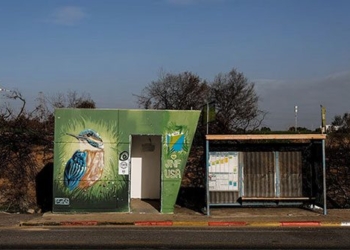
[191, 198]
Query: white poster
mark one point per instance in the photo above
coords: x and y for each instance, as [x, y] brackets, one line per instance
[223, 171]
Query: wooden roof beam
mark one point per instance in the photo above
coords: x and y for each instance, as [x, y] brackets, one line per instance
[267, 137]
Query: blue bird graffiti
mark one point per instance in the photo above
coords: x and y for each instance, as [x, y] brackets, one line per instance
[87, 163]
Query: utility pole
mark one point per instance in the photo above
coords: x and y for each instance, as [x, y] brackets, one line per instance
[323, 119]
[296, 118]
[207, 118]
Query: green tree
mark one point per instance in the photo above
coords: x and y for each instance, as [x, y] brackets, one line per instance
[299, 130]
[341, 124]
[265, 129]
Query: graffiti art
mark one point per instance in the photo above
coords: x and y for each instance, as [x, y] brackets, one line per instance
[86, 165]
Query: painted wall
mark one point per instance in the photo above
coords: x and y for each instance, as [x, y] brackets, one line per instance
[91, 155]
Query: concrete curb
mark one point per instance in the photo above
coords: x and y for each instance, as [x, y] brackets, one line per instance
[300, 223]
[227, 223]
[168, 223]
[79, 223]
[153, 223]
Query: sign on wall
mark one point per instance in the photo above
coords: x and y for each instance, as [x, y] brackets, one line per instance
[123, 163]
[223, 171]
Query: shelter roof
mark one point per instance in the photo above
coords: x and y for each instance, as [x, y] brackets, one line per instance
[266, 137]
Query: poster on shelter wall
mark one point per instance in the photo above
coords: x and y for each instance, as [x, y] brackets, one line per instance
[223, 171]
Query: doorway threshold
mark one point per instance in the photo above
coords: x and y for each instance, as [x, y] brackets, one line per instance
[145, 206]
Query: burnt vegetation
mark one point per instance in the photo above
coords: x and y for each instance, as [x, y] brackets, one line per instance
[338, 162]
[26, 146]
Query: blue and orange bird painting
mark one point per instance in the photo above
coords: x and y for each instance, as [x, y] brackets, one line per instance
[87, 163]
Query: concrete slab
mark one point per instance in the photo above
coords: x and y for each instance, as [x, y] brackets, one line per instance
[255, 217]
[145, 213]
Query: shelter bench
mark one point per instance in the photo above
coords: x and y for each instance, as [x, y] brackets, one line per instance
[278, 199]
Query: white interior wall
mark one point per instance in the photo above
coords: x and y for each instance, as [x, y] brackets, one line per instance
[145, 167]
[136, 181]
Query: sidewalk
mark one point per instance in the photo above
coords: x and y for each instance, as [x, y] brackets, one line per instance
[256, 217]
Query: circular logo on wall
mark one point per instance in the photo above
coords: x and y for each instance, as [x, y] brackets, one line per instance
[123, 165]
[124, 156]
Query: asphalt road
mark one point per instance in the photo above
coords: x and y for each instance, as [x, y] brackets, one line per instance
[173, 238]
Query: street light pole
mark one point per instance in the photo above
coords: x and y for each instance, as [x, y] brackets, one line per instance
[296, 118]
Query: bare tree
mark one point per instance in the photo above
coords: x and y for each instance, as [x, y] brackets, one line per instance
[234, 97]
[182, 91]
[18, 140]
[236, 110]
[72, 99]
[236, 103]
[8, 112]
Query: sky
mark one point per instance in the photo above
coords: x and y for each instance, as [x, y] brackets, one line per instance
[295, 51]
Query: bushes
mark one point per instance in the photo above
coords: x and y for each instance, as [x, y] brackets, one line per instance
[338, 170]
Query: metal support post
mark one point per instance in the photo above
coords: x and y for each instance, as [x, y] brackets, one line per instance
[324, 178]
[207, 177]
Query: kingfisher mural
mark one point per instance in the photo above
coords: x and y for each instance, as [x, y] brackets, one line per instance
[87, 163]
[90, 144]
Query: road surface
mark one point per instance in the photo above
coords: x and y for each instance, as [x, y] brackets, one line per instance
[174, 238]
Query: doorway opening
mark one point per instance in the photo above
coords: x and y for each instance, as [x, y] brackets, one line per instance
[145, 173]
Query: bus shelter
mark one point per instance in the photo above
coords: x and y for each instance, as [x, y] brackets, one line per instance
[265, 170]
